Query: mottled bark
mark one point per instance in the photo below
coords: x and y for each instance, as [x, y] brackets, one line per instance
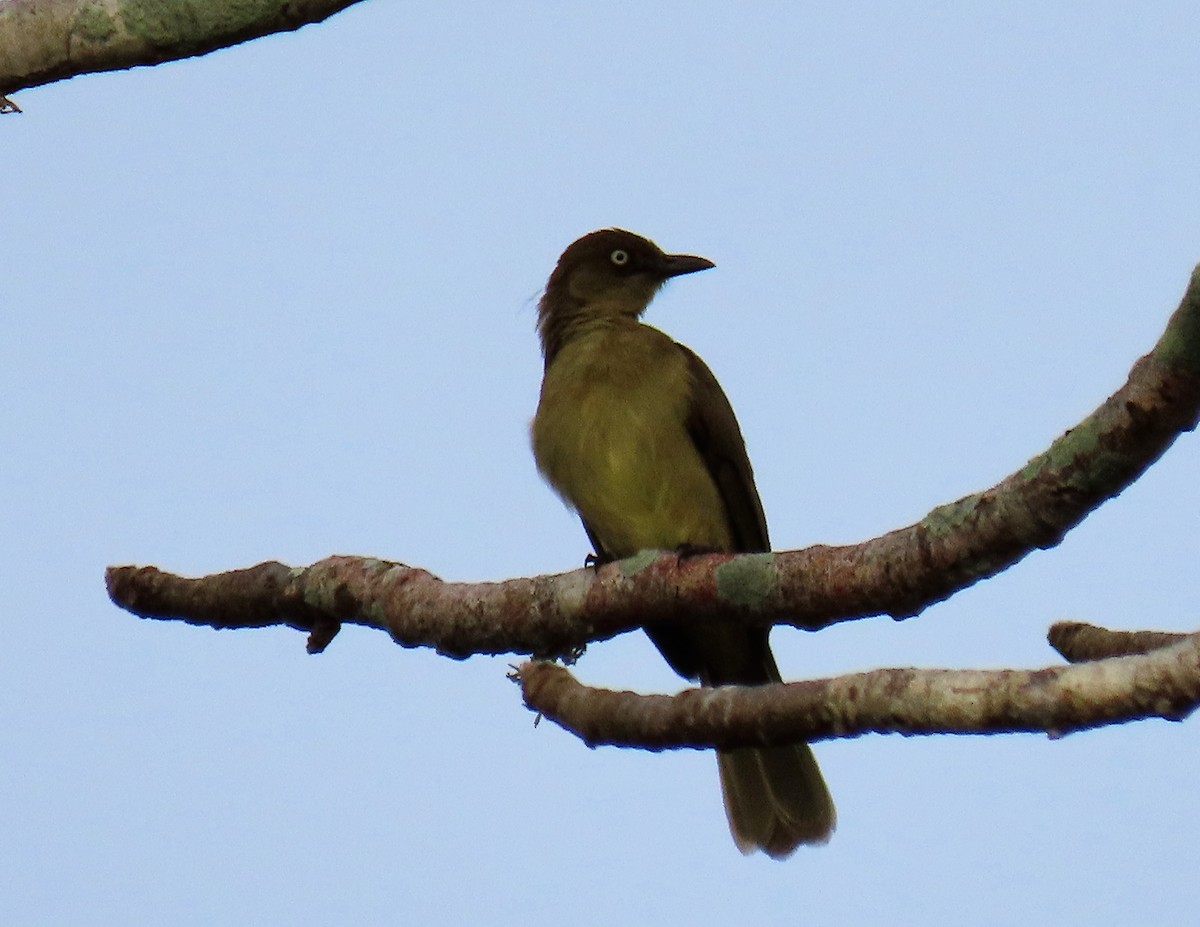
[1163, 684]
[48, 40]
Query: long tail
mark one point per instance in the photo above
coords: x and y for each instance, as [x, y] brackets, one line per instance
[775, 798]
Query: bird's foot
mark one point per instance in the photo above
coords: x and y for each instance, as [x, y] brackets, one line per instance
[687, 551]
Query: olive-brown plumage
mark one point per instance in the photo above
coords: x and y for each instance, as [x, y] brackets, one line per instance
[634, 432]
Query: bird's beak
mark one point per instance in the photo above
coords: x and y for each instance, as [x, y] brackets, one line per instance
[675, 264]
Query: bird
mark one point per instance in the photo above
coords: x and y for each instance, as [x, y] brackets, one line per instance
[635, 434]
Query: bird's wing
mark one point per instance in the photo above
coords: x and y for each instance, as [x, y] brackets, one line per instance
[714, 431]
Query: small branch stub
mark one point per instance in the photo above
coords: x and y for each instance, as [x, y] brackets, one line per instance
[1079, 642]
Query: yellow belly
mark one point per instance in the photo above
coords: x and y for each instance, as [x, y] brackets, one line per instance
[610, 436]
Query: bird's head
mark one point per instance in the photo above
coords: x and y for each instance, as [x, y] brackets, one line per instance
[610, 272]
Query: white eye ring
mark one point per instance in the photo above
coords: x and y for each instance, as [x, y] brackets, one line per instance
[620, 257]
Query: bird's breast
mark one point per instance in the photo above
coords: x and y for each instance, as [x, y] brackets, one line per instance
[610, 435]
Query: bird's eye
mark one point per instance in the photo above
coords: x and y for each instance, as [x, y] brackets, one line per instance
[620, 257]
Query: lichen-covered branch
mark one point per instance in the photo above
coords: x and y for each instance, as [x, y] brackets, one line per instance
[48, 40]
[898, 574]
[411, 604]
[980, 535]
[1163, 684]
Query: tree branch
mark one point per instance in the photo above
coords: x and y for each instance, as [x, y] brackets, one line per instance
[413, 605]
[958, 544]
[47, 40]
[1079, 642]
[898, 574]
[1059, 700]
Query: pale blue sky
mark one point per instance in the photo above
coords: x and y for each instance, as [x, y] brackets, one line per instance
[278, 303]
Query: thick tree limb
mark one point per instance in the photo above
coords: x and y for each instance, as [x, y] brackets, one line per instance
[47, 40]
[898, 574]
[1163, 684]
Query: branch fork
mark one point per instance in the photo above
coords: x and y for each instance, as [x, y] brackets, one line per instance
[1119, 676]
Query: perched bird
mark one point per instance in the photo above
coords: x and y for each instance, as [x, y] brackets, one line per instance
[636, 435]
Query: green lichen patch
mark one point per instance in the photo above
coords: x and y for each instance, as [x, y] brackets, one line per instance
[631, 566]
[1180, 344]
[748, 579]
[163, 23]
[94, 24]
